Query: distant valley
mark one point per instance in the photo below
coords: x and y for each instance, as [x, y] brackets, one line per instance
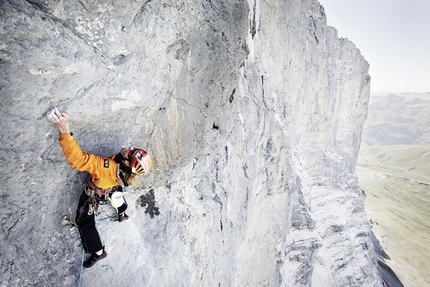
[394, 170]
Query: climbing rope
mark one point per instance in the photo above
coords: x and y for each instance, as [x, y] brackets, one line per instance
[82, 263]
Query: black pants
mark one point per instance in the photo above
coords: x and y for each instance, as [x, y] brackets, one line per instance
[87, 226]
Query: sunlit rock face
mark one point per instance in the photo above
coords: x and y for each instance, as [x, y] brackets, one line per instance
[252, 111]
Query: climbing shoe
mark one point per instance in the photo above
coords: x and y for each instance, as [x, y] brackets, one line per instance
[122, 217]
[94, 258]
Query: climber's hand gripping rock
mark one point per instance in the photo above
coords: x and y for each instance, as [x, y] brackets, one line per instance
[60, 120]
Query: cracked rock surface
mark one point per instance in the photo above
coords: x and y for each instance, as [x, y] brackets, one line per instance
[252, 111]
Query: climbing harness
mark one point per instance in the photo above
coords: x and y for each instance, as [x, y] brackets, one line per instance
[98, 196]
[96, 193]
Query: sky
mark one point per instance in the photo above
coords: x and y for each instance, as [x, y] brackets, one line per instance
[392, 35]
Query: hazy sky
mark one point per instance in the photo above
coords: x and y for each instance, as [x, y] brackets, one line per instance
[392, 35]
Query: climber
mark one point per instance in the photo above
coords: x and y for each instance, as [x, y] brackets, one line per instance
[103, 183]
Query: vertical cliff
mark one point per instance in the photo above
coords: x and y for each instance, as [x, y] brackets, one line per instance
[253, 113]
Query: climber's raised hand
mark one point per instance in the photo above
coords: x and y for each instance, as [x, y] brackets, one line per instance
[60, 120]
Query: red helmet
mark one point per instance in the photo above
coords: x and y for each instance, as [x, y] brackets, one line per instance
[140, 161]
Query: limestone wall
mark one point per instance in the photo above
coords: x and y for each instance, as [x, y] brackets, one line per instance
[252, 111]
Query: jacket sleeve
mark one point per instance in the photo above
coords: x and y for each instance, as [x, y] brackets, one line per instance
[78, 159]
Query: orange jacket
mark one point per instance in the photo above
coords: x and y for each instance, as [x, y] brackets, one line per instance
[103, 170]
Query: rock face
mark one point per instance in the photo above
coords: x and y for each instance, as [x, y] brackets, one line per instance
[253, 112]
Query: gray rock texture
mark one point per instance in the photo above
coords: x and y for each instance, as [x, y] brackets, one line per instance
[252, 111]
